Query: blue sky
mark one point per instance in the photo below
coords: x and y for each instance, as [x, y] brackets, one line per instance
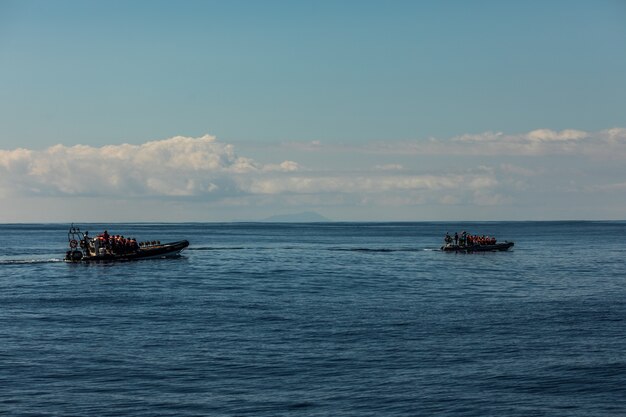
[340, 91]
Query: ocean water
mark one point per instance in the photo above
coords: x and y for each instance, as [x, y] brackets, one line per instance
[337, 319]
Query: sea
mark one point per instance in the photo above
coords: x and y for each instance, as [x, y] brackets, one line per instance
[319, 319]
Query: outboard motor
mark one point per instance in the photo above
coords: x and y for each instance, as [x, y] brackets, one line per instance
[73, 255]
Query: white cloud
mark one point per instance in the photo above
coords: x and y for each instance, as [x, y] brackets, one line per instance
[538, 135]
[185, 167]
[285, 166]
[205, 171]
[610, 143]
[616, 134]
[546, 135]
[481, 137]
[365, 184]
[389, 167]
[179, 166]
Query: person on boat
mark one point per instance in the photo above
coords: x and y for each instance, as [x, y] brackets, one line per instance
[86, 243]
[456, 238]
[463, 238]
[448, 238]
[105, 235]
[96, 245]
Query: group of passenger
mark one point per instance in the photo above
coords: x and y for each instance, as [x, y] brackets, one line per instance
[105, 243]
[117, 244]
[466, 239]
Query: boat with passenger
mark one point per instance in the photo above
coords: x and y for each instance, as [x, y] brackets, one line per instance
[106, 247]
[497, 247]
[466, 242]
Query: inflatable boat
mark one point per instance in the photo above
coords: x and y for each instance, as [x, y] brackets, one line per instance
[496, 247]
[83, 248]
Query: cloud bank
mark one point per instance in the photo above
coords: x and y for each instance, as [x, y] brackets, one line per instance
[198, 167]
[179, 166]
[488, 170]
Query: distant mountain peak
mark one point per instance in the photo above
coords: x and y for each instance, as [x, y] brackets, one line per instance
[302, 217]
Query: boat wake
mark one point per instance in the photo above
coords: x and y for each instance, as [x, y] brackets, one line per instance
[203, 248]
[331, 249]
[382, 250]
[29, 261]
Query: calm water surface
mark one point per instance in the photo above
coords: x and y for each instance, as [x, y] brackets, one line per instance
[357, 319]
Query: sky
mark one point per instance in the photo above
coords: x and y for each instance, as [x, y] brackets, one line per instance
[357, 110]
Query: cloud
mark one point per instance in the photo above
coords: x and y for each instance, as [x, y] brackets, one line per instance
[204, 170]
[179, 166]
[389, 167]
[619, 187]
[546, 135]
[376, 187]
[609, 144]
[539, 135]
[314, 145]
[285, 166]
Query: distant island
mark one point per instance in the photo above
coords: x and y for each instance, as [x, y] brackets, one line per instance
[304, 217]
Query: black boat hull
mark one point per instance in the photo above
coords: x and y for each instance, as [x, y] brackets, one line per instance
[158, 251]
[497, 247]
